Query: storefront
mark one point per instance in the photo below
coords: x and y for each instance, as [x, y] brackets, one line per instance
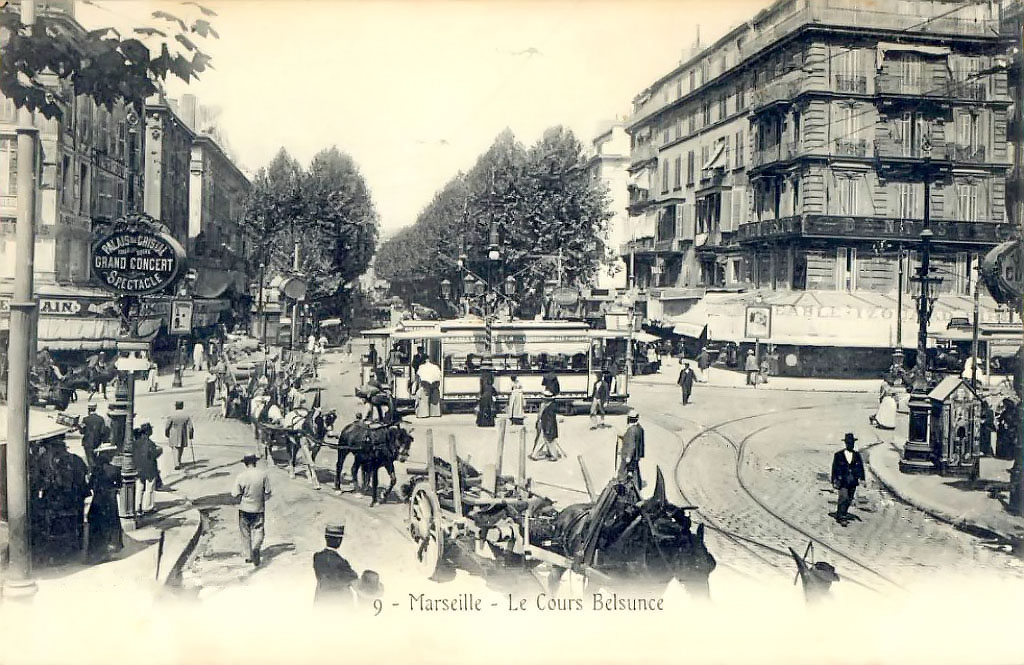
[71, 320]
[826, 333]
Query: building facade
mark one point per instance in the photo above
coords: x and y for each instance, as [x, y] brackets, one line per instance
[608, 164]
[790, 156]
[168, 153]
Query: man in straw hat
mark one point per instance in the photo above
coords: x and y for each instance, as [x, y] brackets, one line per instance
[369, 588]
[847, 473]
[252, 489]
[334, 575]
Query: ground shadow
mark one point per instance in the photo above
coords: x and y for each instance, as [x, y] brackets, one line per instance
[990, 486]
[214, 500]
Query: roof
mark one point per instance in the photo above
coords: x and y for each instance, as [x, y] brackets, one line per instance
[946, 387]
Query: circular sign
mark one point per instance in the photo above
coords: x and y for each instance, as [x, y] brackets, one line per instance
[137, 261]
[1003, 270]
[293, 288]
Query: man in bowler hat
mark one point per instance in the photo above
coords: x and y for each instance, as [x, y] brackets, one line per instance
[334, 575]
[847, 473]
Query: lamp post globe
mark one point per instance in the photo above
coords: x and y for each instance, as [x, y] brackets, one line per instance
[492, 253]
[510, 286]
[446, 288]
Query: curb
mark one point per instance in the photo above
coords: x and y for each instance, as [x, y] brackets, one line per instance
[173, 571]
[847, 391]
[957, 522]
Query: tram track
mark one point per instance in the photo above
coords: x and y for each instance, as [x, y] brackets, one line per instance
[759, 550]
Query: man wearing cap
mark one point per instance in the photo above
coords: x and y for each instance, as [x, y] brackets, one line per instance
[252, 489]
[93, 427]
[179, 432]
[632, 449]
[685, 381]
[847, 473]
[334, 575]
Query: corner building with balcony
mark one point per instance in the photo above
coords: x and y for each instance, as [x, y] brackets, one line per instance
[816, 125]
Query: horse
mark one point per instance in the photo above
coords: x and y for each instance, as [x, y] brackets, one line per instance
[376, 447]
[642, 542]
[62, 392]
[99, 376]
[317, 426]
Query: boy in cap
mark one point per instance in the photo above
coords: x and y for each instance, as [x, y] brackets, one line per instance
[847, 473]
[334, 575]
[252, 489]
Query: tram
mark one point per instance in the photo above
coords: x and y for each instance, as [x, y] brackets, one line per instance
[465, 348]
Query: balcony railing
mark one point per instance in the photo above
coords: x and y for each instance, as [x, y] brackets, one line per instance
[973, 154]
[780, 91]
[888, 148]
[857, 84]
[765, 156]
[850, 147]
[892, 84]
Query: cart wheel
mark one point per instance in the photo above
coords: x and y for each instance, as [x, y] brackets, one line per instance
[425, 528]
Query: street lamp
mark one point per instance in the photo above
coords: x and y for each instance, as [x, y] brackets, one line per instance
[492, 252]
[510, 286]
[446, 289]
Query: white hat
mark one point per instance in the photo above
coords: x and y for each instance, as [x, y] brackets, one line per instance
[633, 414]
[105, 448]
[548, 393]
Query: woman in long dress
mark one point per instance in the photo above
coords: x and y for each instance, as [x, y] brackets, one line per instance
[105, 535]
[885, 416]
[485, 407]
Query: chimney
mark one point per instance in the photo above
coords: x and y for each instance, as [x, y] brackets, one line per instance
[188, 107]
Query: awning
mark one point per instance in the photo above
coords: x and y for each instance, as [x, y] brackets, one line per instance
[716, 160]
[638, 336]
[213, 283]
[884, 47]
[59, 333]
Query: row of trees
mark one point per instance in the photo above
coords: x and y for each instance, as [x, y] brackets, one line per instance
[531, 202]
[328, 210]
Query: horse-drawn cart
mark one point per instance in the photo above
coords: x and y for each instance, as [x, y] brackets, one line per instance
[489, 521]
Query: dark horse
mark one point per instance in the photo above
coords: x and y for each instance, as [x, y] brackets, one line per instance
[375, 447]
[62, 393]
[99, 376]
[642, 543]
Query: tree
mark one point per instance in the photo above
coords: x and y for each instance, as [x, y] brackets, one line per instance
[530, 202]
[328, 210]
[102, 64]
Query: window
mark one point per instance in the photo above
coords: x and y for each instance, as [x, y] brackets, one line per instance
[689, 168]
[693, 79]
[665, 135]
[910, 70]
[693, 121]
[706, 112]
[664, 176]
[967, 129]
[705, 153]
[705, 67]
[678, 175]
[846, 195]
[847, 121]
[741, 96]
[677, 129]
[679, 88]
[740, 148]
[739, 206]
[846, 268]
[966, 68]
[906, 207]
[721, 107]
[964, 274]
[845, 62]
[67, 177]
[967, 202]
[795, 183]
[82, 191]
[9, 165]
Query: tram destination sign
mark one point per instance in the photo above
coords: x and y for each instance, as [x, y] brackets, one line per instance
[135, 260]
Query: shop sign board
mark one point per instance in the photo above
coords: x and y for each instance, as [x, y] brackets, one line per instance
[181, 317]
[758, 322]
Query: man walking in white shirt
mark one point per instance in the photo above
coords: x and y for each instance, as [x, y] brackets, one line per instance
[252, 489]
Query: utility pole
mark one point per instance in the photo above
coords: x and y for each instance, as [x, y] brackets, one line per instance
[1019, 184]
[898, 354]
[923, 276]
[974, 336]
[18, 581]
[295, 306]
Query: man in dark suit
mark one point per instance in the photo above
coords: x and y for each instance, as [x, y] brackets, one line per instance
[334, 575]
[685, 381]
[847, 473]
[632, 449]
[93, 427]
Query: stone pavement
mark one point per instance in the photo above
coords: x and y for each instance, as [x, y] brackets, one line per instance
[725, 378]
[978, 508]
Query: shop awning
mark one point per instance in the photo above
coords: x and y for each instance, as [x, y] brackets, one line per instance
[59, 333]
[716, 160]
[213, 283]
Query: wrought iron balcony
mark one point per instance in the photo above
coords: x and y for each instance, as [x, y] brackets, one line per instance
[890, 149]
[850, 147]
[972, 154]
[846, 83]
[765, 156]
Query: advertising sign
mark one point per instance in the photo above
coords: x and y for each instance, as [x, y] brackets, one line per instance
[758, 322]
[181, 317]
[1003, 271]
[134, 260]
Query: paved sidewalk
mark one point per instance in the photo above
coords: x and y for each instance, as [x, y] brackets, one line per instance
[723, 378]
[978, 509]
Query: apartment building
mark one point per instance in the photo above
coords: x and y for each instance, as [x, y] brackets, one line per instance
[608, 164]
[788, 159]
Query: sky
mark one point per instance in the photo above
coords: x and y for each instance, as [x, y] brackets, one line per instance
[416, 91]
